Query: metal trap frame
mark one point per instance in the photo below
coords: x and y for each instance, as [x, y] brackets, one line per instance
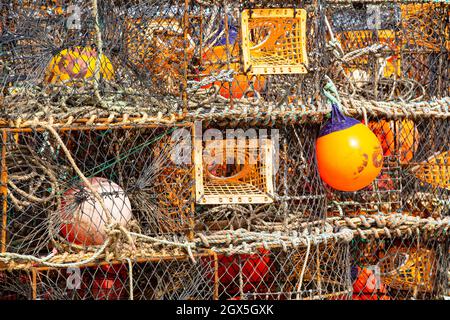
[33, 202]
[145, 278]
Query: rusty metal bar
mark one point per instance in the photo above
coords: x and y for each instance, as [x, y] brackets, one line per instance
[34, 283]
[4, 180]
[99, 127]
[185, 62]
[216, 276]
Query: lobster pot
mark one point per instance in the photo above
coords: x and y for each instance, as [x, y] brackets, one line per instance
[415, 175]
[135, 54]
[156, 278]
[248, 53]
[234, 170]
[413, 44]
[139, 173]
[318, 273]
[160, 57]
[174, 56]
[257, 178]
[427, 178]
[399, 268]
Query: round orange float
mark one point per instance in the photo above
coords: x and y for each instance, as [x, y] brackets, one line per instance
[397, 137]
[349, 155]
[365, 281]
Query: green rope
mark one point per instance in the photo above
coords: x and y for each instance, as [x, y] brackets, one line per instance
[331, 93]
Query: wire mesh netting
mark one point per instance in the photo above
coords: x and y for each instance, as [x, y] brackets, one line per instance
[132, 171]
[165, 56]
[298, 194]
[399, 268]
[151, 279]
[169, 149]
[316, 272]
[414, 171]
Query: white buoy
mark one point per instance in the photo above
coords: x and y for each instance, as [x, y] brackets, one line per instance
[84, 221]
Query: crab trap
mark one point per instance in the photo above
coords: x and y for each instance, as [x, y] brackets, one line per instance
[257, 178]
[413, 177]
[399, 268]
[178, 56]
[316, 272]
[71, 186]
[274, 41]
[185, 149]
[156, 278]
[230, 171]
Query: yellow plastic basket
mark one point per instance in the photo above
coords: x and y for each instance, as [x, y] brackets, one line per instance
[248, 181]
[274, 41]
[408, 268]
[435, 171]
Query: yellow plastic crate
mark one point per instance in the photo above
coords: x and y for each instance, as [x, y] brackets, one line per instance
[435, 171]
[274, 41]
[248, 179]
[405, 269]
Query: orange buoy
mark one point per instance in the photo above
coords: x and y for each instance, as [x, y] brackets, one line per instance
[365, 281]
[399, 137]
[349, 155]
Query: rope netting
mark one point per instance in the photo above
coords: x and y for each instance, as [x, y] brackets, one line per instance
[113, 115]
